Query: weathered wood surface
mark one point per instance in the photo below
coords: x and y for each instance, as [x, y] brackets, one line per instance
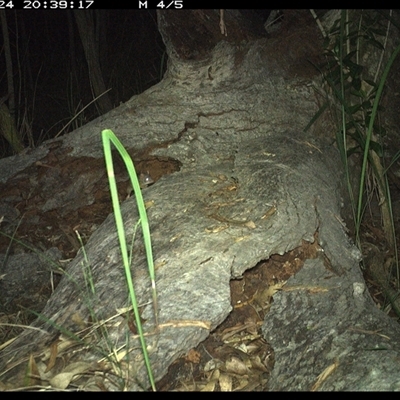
[233, 119]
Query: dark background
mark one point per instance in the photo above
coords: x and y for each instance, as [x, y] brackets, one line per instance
[50, 72]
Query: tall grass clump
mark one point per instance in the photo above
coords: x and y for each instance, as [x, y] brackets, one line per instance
[354, 75]
[354, 93]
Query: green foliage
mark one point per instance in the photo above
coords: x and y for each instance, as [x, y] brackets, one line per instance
[354, 92]
[355, 48]
[107, 137]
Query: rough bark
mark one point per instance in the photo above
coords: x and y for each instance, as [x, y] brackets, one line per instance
[250, 185]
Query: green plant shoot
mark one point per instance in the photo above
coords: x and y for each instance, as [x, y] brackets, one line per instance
[107, 137]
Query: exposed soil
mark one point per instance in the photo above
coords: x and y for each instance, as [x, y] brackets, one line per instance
[235, 356]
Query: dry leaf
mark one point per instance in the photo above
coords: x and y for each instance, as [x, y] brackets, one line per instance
[53, 355]
[258, 364]
[63, 379]
[236, 366]
[242, 384]
[77, 367]
[212, 364]
[209, 387]
[33, 373]
[225, 383]
[62, 345]
[212, 382]
[242, 347]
